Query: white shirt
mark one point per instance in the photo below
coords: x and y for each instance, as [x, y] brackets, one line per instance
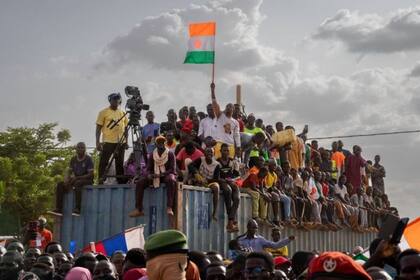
[207, 127]
[340, 191]
[227, 131]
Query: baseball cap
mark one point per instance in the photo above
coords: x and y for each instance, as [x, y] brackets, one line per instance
[338, 265]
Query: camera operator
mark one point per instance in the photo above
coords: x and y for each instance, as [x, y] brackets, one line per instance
[112, 133]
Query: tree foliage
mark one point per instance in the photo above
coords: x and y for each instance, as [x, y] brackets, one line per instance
[32, 160]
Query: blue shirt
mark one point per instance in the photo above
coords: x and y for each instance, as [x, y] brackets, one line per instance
[258, 243]
[151, 130]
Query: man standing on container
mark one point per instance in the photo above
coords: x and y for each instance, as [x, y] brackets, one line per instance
[253, 242]
[161, 168]
[354, 164]
[112, 133]
[378, 175]
[227, 128]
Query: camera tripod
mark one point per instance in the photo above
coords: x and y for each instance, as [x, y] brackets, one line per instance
[134, 129]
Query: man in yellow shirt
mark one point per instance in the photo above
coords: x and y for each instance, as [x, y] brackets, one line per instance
[112, 134]
[283, 251]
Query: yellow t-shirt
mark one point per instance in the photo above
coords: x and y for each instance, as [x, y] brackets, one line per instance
[106, 118]
[270, 179]
[283, 252]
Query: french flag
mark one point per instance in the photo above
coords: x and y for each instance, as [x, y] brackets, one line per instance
[129, 239]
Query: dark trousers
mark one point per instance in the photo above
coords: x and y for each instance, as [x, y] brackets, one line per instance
[107, 151]
[62, 188]
[144, 183]
[300, 208]
[231, 196]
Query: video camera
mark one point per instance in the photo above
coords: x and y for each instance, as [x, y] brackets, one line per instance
[134, 104]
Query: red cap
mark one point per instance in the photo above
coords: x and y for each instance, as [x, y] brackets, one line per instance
[280, 260]
[336, 264]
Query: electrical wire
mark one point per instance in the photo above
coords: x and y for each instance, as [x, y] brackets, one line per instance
[366, 135]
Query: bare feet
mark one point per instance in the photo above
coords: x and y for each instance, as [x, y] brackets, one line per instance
[136, 213]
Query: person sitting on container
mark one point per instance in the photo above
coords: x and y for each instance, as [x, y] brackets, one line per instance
[253, 242]
[171, 142]
[186, 155]
[161, 169]
[229, 170]
[277, 196]
[286, 185]
[205, 171]
[254, 185]
[80, 174]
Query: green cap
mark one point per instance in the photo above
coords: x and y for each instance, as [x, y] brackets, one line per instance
[164, 239]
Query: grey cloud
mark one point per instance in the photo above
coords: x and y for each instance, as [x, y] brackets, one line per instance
[415, 72]
[371, 33]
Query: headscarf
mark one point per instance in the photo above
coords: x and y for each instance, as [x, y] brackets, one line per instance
[78, 273]
[135, 274]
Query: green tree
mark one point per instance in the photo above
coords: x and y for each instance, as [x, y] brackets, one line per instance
[32, 161]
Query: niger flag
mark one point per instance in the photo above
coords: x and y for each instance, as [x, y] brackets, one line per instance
[201, 43]
[411, 236]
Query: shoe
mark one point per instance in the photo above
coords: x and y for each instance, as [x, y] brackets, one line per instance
[76, 212]
[268, 223]
[55, 212]
[136, 213]
[230, 226]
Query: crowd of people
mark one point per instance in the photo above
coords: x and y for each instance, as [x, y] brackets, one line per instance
[166, 256]
[291, 181]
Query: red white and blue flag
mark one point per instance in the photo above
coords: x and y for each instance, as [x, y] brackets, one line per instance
[129, 239]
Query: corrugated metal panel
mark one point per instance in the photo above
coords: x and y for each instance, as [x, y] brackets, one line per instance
[105, 213]
[205, 234]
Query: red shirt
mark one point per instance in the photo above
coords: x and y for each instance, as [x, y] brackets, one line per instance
[325, 189]
[186, 126]
[182, 156]
[252, 181]
[241, 124]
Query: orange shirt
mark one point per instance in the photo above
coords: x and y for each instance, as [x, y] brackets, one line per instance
[192, 273]
[339, 158]
[45, 236]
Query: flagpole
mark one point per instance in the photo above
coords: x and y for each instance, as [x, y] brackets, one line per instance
[214, 58]
[212, 73]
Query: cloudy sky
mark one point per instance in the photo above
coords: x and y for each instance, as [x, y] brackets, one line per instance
[341, 67]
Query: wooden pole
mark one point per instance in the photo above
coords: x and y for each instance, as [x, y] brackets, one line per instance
[238, 95]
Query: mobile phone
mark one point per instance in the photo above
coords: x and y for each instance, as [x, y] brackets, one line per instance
[388, 227]
[399, 230]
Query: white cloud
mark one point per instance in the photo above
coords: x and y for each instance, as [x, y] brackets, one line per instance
[372, 33]
[272, 82]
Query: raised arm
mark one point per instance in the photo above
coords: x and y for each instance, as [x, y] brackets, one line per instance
[279, 244]
[216, 106]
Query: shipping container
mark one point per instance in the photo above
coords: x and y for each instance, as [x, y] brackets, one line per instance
[105, 213]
